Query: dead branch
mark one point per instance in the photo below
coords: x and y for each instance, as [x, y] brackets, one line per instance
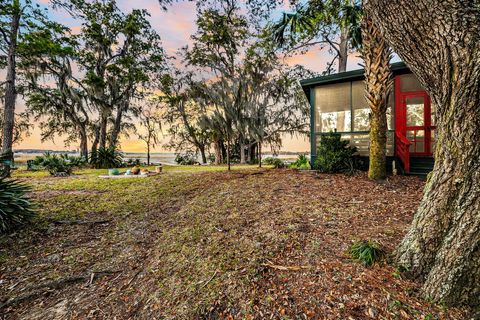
[81, 222]
[37, 290]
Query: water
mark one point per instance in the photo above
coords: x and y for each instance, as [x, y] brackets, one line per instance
[155, 157]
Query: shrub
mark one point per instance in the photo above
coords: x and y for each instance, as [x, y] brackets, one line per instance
[132, 162]
[15, 207]
[367, 252]
[186, 159]
[105, 158]
[301, 163]
[335, 155]
[75, 161]
[275, 162]
[54, 164]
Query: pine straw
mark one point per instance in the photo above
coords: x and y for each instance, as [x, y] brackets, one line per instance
[248, 244]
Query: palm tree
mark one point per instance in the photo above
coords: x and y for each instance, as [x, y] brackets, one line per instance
[376, 53]
[320, 23]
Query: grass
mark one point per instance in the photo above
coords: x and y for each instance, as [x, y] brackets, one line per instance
[367, 252]
[198, 242]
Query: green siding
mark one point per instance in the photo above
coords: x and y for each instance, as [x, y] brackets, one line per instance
[313, 136]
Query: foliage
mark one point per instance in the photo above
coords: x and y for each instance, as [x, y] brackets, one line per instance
[185, 159]
[55, 164]
[275, 162]
[367, 252]
[132, 162]
[74, 161]
[335, 155]
[105, 158]
[321, 23]
[301, 163]
[15, 207]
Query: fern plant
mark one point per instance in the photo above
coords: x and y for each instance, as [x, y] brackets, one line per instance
[15, 207]
[367, 252]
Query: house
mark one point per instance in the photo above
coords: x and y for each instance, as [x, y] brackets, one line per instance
[337, 103]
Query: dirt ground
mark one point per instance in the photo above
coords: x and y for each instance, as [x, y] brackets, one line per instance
[251, 244]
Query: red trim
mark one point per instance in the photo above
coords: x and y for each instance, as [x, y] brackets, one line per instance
[401, 125]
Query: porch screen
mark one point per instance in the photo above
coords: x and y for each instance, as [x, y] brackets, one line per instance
[332, 104]
[361, 110]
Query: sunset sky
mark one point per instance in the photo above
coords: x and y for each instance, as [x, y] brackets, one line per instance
[175, 27]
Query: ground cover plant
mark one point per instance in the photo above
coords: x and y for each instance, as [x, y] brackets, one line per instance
[199, 243]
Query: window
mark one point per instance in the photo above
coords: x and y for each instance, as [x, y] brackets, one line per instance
[333, 108]
[361, 110]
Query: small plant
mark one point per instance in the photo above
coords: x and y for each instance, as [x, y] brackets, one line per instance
[367, 252]
[74, 161]
[105, 158]
[15, 207]
[54, 164]
[275, 162]
[335, 155]
[186, 159]
[301, 163]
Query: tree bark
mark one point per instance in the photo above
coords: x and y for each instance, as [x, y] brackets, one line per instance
[228, 153]
[148, 153]
[10, 88]
[83, 143]
[218, 152]
[343, 50]
[441, 45]
[117, 127]
[243, 158]
[201, 147]
[102, 142]
[259, 154]
[376, 54]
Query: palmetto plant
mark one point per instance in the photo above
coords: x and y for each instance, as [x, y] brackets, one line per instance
[105, 158]
[15, 207]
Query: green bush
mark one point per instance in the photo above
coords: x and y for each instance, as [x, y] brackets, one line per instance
[75, 161]
[301, 163]
[186, 159]
[15, 207]
[335, 155]
[105, 158]
[54, 164]
[367, 252]
[275, 162]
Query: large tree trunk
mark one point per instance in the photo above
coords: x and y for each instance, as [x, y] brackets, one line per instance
[243, 158]
[217, 146]
[343, 50]
[117, 127]
[10, 90]
[441, 45]
[83, 143]
[376, 54]
[102, 142]
[202, 153]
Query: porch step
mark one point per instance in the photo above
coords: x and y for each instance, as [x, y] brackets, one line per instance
[421, 166]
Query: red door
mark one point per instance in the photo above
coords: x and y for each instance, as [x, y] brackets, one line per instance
[416, 123]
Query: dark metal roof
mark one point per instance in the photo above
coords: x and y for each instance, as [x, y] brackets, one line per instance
[397, 68]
